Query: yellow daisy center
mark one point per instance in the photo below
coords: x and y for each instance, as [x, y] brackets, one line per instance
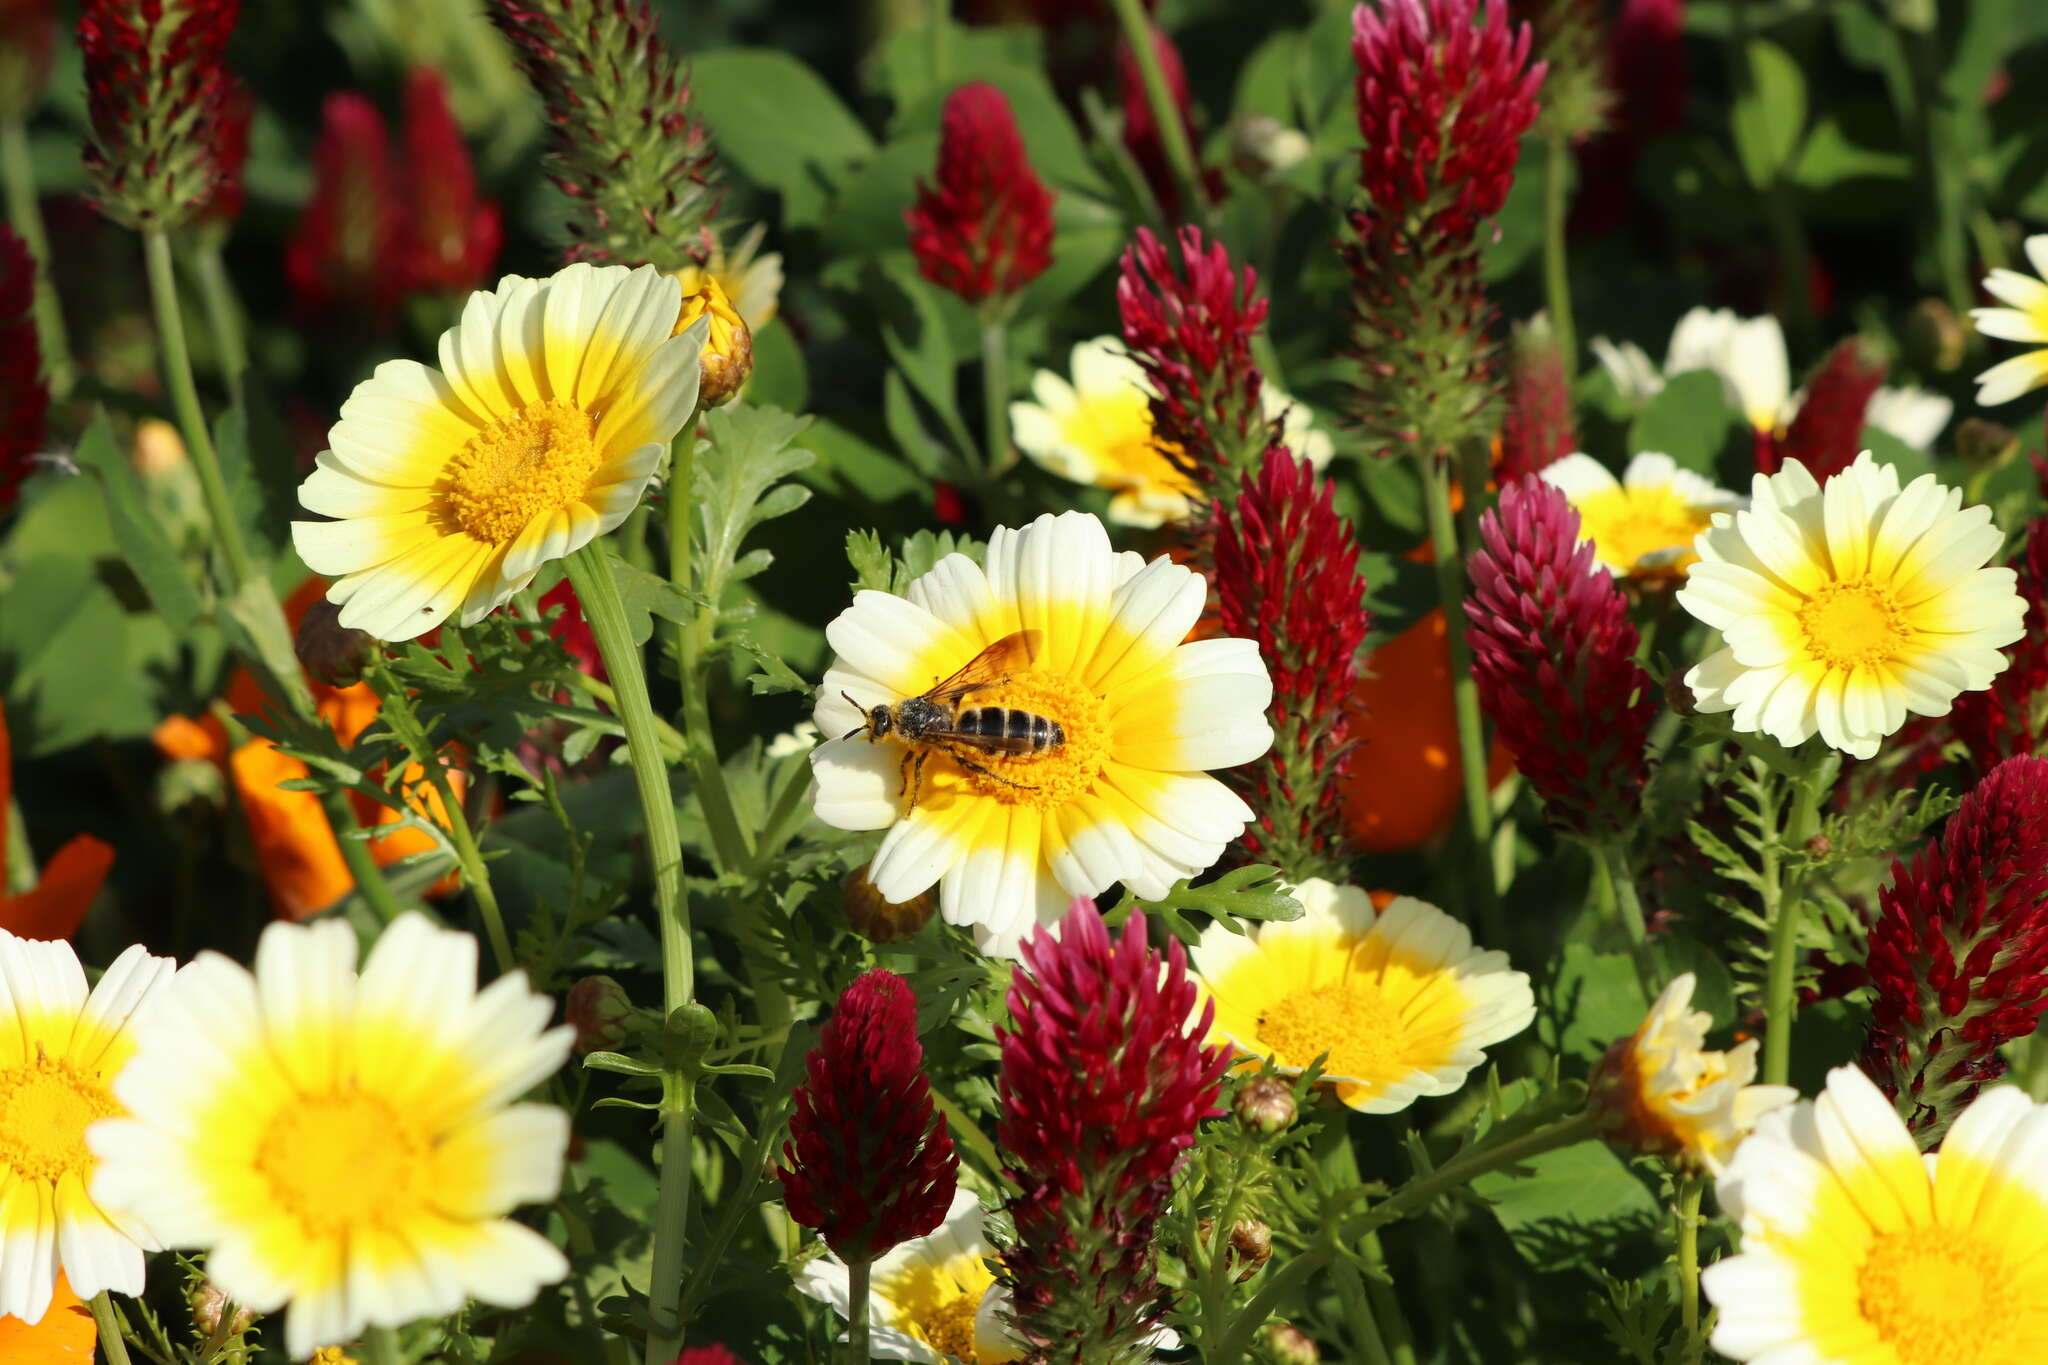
[935, 1302]
[1936, 1295]
[341, 1161]
[1627, 524]
[45, 1108]
[534, 462]
[1054, 776]
[1116, 430]
[1853, 623]
[1352, 1020]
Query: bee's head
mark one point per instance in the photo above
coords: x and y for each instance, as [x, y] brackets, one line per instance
[879, 721]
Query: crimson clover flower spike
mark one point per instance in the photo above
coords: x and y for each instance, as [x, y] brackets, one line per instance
[230, 152]
[1958, 953]
[1827, 433]
[868, 1163]
[1286, 575]
[450, 235]
[338, 261]
[982, 227]
[1998, 721]
[24, 398]
[1536, 430]
[1104, 1081]
[157, 89]
[1554, 656]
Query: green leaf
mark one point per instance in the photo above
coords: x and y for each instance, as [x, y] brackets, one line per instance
[780, 125]
[1254, 893]
[138, 531]
[1570, 1207]
[780, 378]
[775, 675]
[1769, 113]
[873, 565]
[747, 454]
[1592, 999]
[647, 595]
[1691, 420]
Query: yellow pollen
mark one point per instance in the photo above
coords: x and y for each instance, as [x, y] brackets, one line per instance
[1939, 1296]
[1116, 429]
[1629, 523]
[936, 1302]
[341, 1161]
[1351, 1020]
[1051, 777]
[1853, 624]
[534, 462]
[45, 1108]
[949, 1328]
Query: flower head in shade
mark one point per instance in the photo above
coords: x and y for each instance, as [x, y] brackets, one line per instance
[1536, 430]
[346, 1144]
[926, 1296]
[1826, 432]
[24, 398]
[1643, 524]
[1398, 1002]
[1104, 1080]
[1190, 329]
[1092, 641]
[555, 402]
[61, 1046]
[982, 227]
[2024, 319]
[157, 88]
[450, 234]
[1096, 427]
[64, 890]
[1858, 1250]
[1554, 656]
[868, 1164]
[2003, 719]
[637, 167]
[1286, 574]
[1662, 1093]
[1840, 609]
[341, 259]
[1958, 952]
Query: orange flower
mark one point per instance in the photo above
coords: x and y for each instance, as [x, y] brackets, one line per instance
[52, 908]
[295, 846]
[65, 1335]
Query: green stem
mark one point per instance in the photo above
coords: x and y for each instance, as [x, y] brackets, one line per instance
[1173, 133]
[1450, 585]
[995, 395]
[1628, 905]
[1419, 1193]
[728, 841]
[472, 859]
[1365, 1327]
[1782, 905]
[170, 326]
[1557, 283]
[857, 1312]
[672, 747]
[1689, 1264]
[1942, 173]
[223, 312]
[113, 1337]
[380, 1347]
[1399, 1339]
[362, 864]
[18, 176]
[671, 1225]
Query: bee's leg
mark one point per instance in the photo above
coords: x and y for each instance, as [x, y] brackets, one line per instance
[903, 772]
[917, 776]
[974, 767]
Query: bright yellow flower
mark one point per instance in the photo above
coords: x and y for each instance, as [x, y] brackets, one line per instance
[1858, 1250]
[1400, 1000]
[346, 1144]
[1643, 524]
[1842, 608]
[753, 281]
[554, 404]
[728, 355]
[2025, 320]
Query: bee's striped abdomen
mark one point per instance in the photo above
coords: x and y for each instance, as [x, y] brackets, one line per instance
[1031, 732]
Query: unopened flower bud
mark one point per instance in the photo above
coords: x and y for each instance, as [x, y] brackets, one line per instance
[1935, 338]
[1291, 1346]
[597, 1008]
[209, 1304]
[1985, 444]
[728, 357]
[884, 921]
[1819, 846]
[159, 449]
[330, 652]
[1678, 694]
[1266, 1104]
[1265, 149]
[1251, 1241]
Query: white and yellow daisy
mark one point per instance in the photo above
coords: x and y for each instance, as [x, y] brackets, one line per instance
[2025, 320]
[1664, 1094]
[1125, 796]
[1642, 524]
[60, 1049]
[1399, 999]
[1915, 416]
[1747, 353]
[344, 1144]
[752, 281]
[554, 404]
[931, 1299]
[1858, 1250]
[1843, 608]
[1097, 429]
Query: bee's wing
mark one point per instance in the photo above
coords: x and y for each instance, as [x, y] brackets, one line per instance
[1011, 654]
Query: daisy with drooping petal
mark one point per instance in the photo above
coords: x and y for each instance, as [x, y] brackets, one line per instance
[1665, 1095]
[2026, 319]
[1842, 608]
[1400, 999]
[60, 1049]
[926, 1296]
[1125, 795]
[346, 1144]
[1097, 429]
[1858, 1250]
[1644, 523]
[554, 404]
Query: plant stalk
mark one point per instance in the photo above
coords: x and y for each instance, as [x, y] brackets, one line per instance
[728, 841]
[223, 314]
[857, 1276]
[471, 857]
[995, 396]
[1557, 282]
[113, 1340]
[1628, 905]
[1173, 133]
[1782, 905]
[380, 1347]
[18, 177]
[1689, 1263]
[362, 864]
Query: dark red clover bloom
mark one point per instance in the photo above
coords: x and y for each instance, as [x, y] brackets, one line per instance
[983, 226]
[1554, 656]
[342, 257]
[868, 1163]
[157, 89]
[24, 400]
[1827, 433]
[1104, 1080]
[450, 233]
[2001, 720]
[1536, 430]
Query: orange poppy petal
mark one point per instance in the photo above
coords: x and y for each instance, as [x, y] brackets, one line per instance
[302, 863]
[54, 908]
[65, 1336]
[183, 737]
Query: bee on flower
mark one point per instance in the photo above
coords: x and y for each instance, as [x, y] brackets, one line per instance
[1643, 524]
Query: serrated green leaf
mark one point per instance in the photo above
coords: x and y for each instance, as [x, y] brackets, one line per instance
[138, 531]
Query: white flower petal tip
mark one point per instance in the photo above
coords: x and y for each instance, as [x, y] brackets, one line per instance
[2025, 321]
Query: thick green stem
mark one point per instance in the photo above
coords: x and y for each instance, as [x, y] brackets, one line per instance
[1557, 282]
[113, 1340]
[1689, 1264]
[728, 841]
[857, 1312]
[1782, 905]
[1450, 585]
[1173, 132]
[995, 396]
[18, 177]
[1365, 1327]
[362, 864]
[170, 326]
[223, 312]
[1628, 906]
[380, 1347]
[1399, 1337]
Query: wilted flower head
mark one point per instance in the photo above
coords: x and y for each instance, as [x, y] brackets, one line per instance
[868, 1163]
[157, 88]
[230, 152]
[1570, 38]
[1554, 655]
[983, 226]
[24, 400]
